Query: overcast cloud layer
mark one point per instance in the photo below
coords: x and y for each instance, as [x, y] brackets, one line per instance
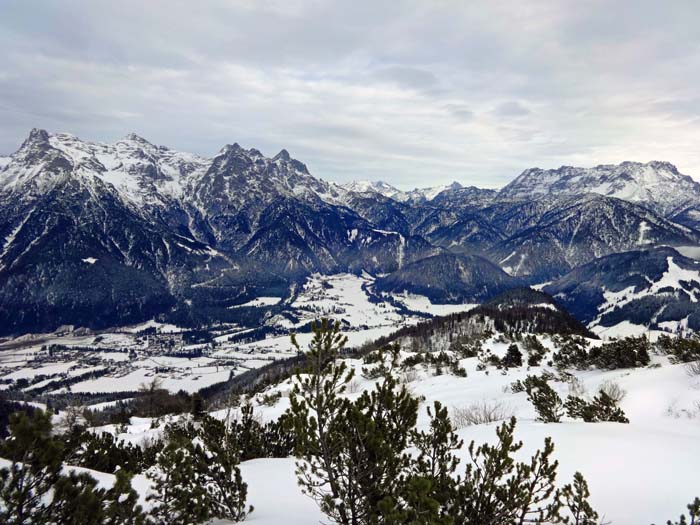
[413, 93]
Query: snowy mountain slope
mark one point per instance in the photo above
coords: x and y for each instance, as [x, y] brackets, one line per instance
[576, 230]
[378, 187]
[219, 224]
[658, 185]
[136, 168]
[415, 196]
[216, 230]
[655, 288]
[78, 255]
[458, 196]
[422, 195]
[659, 400]
[469, 233]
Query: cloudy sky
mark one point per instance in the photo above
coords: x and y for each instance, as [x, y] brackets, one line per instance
[413, 93]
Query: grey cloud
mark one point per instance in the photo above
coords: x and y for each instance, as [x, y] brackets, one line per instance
[511, 108]
[406, 91]
[460, 111]
[411, 77]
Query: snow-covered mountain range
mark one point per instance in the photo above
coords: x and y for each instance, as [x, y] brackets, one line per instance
[166, 231]
[658, 185]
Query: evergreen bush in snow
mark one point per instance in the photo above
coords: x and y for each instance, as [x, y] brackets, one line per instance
[546, 401]
[33, 490]
[513, 357]
[197, 478]
[354, 460]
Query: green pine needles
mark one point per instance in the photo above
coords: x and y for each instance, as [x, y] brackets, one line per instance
[365, 462]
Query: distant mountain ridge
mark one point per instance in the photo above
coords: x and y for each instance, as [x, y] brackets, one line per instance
[658, 185]
[167, 231]
[655, 288]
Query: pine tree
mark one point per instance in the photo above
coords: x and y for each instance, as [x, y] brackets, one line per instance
[497, 490]
[693, 515]
[102, 452]
[35, 469]
[606, 409]
[121, 503]
[225, 486]
[513, 357]
[77, 501]
[546, 401]
[33, 490]
[482, 496]
[601, 408]
[533, 488]
[578, 408]
[197, 478]
[375, 463]
[353, 455]
[317, 411]
[436, 463]
[574, 498]
[180, 494]
[535, 350]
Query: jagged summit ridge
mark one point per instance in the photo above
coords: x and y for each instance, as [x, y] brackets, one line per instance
[197, 232]
[656, 184]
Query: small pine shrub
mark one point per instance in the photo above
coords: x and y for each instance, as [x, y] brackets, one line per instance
[543, 397]
[513, 357]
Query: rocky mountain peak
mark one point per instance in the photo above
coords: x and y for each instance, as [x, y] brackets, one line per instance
[282, 155]
[37, 139]
[133, 137]
[656, 184]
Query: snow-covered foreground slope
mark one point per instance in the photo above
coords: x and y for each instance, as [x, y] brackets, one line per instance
[639, 473]
[273, 491]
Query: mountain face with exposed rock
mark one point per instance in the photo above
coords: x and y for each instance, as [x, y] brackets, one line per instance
[97, 234]
[656, 185]
[655, 288]
[579, 229]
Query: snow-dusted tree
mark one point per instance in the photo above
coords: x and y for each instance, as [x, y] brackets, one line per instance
[197, 479]
[76, 501]
[317, 411]
[34, 491]
[601, 408]
[121, 503]
[437, 463]
[353, 456]
[35, 468]
[179, 483]
[496, 489]
[226, 489]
